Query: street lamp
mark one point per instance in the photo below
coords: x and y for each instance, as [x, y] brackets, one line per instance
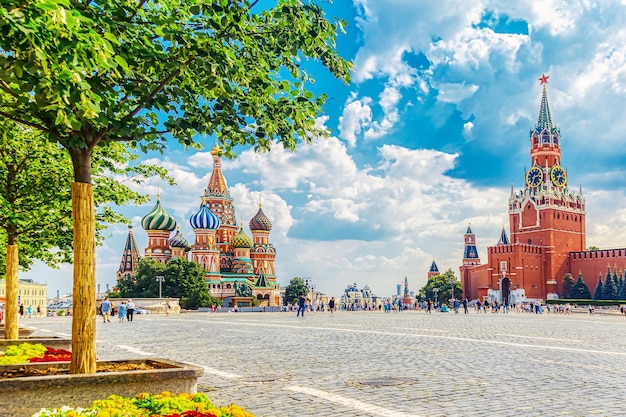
[436, 290]
[451, 290]
[160, 279]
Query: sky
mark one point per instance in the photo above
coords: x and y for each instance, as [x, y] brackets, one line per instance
[430, 136]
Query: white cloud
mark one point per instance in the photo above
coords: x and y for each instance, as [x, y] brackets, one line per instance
[356, 114]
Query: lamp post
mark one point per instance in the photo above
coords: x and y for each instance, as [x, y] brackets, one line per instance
[451, 289]
[160, 279]
[436, 290]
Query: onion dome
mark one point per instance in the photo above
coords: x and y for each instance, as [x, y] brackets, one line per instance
[241, 239]
[204, 218]
[260, 221]
[179, 241]
[158, 219]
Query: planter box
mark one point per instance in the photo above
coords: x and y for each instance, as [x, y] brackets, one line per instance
[23, 331]
[25, 396]
[50, 341]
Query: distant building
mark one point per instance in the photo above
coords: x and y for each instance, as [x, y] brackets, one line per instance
[358, 299]
[238, 267]
[547, 229]
[29, 292]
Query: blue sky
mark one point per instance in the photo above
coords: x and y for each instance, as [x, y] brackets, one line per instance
[430, 135]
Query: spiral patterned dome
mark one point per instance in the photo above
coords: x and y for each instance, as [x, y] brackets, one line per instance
[241, 239]
[158, 219]
[260, 222]
[179, 241]
[204, 219]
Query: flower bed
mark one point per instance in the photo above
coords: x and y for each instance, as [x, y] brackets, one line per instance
[29, 352]
[146, 405]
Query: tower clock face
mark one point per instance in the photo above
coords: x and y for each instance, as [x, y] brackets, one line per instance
[534, 177]
[558, 176]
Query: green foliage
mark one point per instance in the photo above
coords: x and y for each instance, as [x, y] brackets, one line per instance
[35, 196]
[182, 279]
[580, 290]
[597, 294]
[567, 285]
[444, 283]
[121, 70]
[609, 289]
[621, 293]
[293, 290]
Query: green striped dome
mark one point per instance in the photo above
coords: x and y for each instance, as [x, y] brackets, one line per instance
[241, 239]
[158, 219]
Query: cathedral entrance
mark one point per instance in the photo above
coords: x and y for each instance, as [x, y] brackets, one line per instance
[505, 289]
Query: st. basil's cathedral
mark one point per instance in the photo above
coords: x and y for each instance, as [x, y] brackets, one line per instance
[547, 232]
[238, 267]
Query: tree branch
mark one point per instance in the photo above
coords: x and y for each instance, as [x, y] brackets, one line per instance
[139, 6]
[24, 122]
[157, 90]
[6, 88]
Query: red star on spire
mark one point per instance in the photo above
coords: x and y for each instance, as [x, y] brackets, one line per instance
[544, 79]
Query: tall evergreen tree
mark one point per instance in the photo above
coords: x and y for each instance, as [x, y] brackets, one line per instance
[566, 286]
[621, 291]
[609, 289]
[597, 294]
[580, 290]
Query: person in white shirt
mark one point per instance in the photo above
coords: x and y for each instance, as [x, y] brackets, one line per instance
[130, 310]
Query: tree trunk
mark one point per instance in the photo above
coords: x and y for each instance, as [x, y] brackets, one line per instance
[11, 329]
[84, 289]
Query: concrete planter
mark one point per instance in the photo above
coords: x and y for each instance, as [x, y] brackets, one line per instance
[23, 331]
[54, 342]
[25, 396]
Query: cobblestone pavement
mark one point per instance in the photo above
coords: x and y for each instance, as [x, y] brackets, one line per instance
[396, 365]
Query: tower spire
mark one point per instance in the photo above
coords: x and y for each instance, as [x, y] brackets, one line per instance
[545, 118]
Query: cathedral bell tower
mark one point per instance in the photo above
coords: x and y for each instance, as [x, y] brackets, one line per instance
[546, 213]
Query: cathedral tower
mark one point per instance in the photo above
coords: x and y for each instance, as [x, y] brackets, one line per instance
[205, 250]
[547, 213]
[218, 199]
[263, 254]
[158, 225]
[130, 257]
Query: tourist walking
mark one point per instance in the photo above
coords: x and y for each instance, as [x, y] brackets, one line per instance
[105, 310]
[331, 305]
[130, 309]
[168, 306]
[121, 313]
[465, 305]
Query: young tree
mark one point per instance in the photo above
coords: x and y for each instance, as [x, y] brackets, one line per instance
[35, 207]
[88, 73]
[609, 288]
[597, 293]
[444, 283]
[580, 290]
[621, 292]
[293, 290]
[566, 285]
[182, 279]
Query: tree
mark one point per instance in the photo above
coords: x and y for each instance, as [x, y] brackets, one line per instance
[566, 285]
[293, 290]
[444, 283]
[621, 292]
[609, 289]
[182, 279]
[580, 290]
[35, 208]
[597, 293]
[87, 73]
